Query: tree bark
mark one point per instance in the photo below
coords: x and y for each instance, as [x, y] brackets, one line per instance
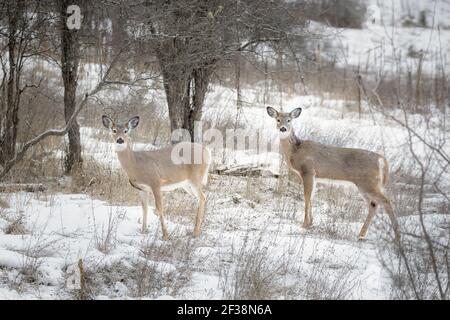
[185, 85]
[118, 30]
[185, 98]
[198, 87]
[10, 122]
[177, 100]
[70, 59]
[175, 79]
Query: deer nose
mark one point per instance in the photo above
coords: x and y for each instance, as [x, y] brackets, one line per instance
[283, 129]
[120, 141]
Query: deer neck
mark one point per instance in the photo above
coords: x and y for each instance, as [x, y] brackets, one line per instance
[126, 158]
[287, 146]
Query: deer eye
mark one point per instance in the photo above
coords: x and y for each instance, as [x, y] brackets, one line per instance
[289, 121]
[114, 130]
[278, 120]
[125, 131]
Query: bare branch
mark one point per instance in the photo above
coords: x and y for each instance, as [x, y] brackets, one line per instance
[58, 132]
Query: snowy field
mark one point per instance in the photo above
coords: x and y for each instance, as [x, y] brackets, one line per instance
[53, 243]
[386, 45]
[252, 224]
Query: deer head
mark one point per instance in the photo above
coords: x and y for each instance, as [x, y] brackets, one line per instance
[284, 120]
[120, 131]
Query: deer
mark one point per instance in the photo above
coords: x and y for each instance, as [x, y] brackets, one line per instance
[161, 170]
[313, 161]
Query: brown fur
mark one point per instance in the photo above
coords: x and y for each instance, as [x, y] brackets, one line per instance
[367, 170]
[152, 171]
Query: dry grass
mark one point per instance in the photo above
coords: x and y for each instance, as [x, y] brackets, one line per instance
[16, 226]
[3, 204]
[150, 277]
[343, 206]
[161, 268]
[251, 272]
[104, 182]
[14, 217]
[30, 274]
[105, 235]
[325, 284]
[253, 275]
[39, 166]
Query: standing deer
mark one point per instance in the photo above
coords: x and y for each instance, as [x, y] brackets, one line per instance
[314, 161]
[160, 170]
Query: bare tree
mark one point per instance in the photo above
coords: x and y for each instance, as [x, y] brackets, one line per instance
[70, 60]
[422, 268]
[103, 82]
[24, 37]
[16, 35]
[190, 38]
[419, 264]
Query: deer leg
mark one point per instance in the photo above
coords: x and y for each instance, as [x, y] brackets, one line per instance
[159, 208]
[379, 197]
[373, 206]
[390, 211]
[309, 182]
[197, 190]
[144, 203]
[200, 214]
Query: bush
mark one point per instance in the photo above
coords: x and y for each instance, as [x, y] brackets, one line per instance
[341, 14]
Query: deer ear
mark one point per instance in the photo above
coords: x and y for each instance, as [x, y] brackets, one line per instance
[296, 112]
[107, 122]
[272, 112]
[133, 122]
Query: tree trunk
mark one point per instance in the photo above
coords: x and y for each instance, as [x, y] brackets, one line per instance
[185, 99]
[185, 86]
[177, 100]
[193, 112]
[118, 30]
[70, 58]
[10, 119]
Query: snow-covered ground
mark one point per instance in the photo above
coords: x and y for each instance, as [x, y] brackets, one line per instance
[67, 227]
[386, 45]
[251, 223]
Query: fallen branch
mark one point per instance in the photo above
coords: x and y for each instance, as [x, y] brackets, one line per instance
[245, 170]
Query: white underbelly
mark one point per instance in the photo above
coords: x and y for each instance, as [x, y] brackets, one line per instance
[332, 182]
[170, 187]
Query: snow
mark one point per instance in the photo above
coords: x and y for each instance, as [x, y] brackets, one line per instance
[74, 224]
[10, 259]
[68, 227]
[246, 218]
[382, 45]
[240, 220]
